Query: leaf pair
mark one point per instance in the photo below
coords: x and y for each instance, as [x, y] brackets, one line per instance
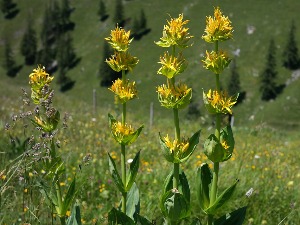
[204, 179]
[133, 170]
[175, 204]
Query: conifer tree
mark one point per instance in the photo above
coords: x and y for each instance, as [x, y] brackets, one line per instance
[268, 76]
[143, 20]
[119, 13]
[7, 7]
[29, 44]
[106, 74]
[234, 85]
[291, 58]
[102, 12]
[9, 63]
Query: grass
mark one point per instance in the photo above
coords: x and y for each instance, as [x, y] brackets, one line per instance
[266, 155]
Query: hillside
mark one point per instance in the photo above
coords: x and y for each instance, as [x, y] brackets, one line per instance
[263, 19]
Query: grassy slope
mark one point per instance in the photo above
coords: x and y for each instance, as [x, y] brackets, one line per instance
[270, 20]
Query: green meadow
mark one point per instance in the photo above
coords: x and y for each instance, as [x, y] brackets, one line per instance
[266, 156]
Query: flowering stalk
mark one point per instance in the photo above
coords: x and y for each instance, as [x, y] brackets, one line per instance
[123, 133]
[219, 146]
[175, 201]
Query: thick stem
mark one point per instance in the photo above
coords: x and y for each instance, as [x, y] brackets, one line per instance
[63, 220]
[214, 187]
[176, 175]
[123, 157]
[210, 220]
[123, 170]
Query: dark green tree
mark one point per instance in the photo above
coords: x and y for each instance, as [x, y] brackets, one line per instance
[119, 13]
[29, 44]
[66, 23]
[268, 76]
[105, 73]
[66, 54]
[143, 20]
[8, 7]
[234, 84]
[291, 58]
[102, 11]
[56, 19]
[9, 63]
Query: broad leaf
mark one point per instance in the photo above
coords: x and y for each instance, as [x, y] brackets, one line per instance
[115, 175]
[116, 217]
[75, 218]
[174, 206]
[221, 199]
[236, 217]
[71, 193]
[204, 179]
[133, 170]
[142, 220]
[133, 202]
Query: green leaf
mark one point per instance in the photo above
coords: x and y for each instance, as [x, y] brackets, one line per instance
[71, 193]
[142, 220]
[183, 186]
[75, 218]
[213, 149]
[174, 206]
[193, 142]
[116, 217]
[236, 217]
[196, 222]
[133, 202]
[222, 199]
[115, 175]
[133, 170]
[227, 136]
[168, 183]
[204, 179]
[132, 138]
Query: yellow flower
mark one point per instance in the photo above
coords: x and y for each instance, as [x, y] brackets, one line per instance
[175, 96]
[175, 33]
[68, 213]
[176, 146]
[122, 61]
[216, 62]
[218, 28]
[171, 66]
[124, 91]
[119, 39]
[123, 133]
[219, 102]
[224, 145]
[38, 80]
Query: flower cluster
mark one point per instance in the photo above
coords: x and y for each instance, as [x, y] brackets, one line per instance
[177, 96]
[119, 39]
[124, 91]
[218, 28]
[175, 33]
[219, 101]
[171, 65]
[122, 61]
[176, 146]
[39, 80]
[216, 61]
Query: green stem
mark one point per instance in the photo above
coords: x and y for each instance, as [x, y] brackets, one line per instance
[63, 220]
[60, 204]
[210, 220]
[176, 175]
[214, 187]
[123, 170]
[123, 157]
